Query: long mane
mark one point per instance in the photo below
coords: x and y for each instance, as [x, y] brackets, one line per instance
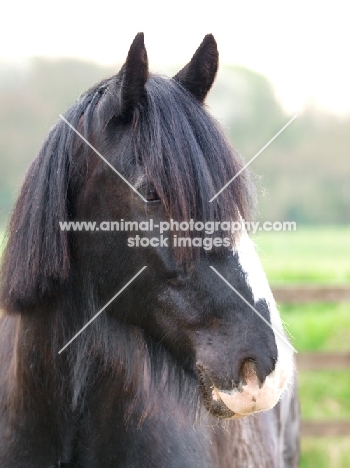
[180, 148]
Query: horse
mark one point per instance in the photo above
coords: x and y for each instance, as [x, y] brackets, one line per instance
[178, 369]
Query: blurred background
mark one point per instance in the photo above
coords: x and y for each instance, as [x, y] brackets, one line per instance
[277, 60]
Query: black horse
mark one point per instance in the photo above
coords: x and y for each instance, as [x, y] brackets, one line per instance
[161, 376]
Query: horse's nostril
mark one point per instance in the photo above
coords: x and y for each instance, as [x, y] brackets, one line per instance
[249, 372]
[256, 370]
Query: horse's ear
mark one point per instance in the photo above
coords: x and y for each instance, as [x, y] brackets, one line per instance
[199, 74]
[134, 76]
[36, 259]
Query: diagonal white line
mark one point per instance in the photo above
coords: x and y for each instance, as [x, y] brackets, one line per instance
[101, 310]
[104, 159]
[254, 157]
[253, 309]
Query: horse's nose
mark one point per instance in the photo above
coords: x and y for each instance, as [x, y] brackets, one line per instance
[232, 376]
[259, 368]
[247, 367]
[259, 389]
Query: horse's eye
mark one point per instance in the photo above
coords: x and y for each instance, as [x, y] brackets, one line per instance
[152, 195]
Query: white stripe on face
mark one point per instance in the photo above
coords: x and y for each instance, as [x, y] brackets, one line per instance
[251, 398]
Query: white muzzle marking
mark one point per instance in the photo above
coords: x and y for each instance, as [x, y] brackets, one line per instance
[252, 397]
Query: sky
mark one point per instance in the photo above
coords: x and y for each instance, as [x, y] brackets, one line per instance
[301, 46]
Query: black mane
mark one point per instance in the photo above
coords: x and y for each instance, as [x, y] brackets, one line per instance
[181, 148]
[171, 136]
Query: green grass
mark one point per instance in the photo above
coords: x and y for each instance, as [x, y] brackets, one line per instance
[332, 453]
[316, 327]
[321, 327]
[319, 256]
[325, 394]
[311, 255]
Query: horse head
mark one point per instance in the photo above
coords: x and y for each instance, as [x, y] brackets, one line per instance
[157, 134]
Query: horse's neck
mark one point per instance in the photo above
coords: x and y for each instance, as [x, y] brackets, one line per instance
[156, 410]
[243, 443]
[144, 410]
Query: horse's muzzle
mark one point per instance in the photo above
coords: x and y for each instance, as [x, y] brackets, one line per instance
[249, 397]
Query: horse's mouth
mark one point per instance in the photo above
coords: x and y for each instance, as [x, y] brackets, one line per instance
[211, 398]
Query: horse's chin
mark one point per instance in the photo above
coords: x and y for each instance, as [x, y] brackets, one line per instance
[217, 407]
[211, 398]
[214, 403]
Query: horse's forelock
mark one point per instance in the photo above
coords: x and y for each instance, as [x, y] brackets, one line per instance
[188, 159]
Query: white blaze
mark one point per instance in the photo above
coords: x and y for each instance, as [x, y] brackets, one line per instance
[250, 398]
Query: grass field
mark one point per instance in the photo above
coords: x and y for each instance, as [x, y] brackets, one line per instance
[308, 255]
[319, 256]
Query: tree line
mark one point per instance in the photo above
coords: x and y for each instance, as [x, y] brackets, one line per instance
[302, 176]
